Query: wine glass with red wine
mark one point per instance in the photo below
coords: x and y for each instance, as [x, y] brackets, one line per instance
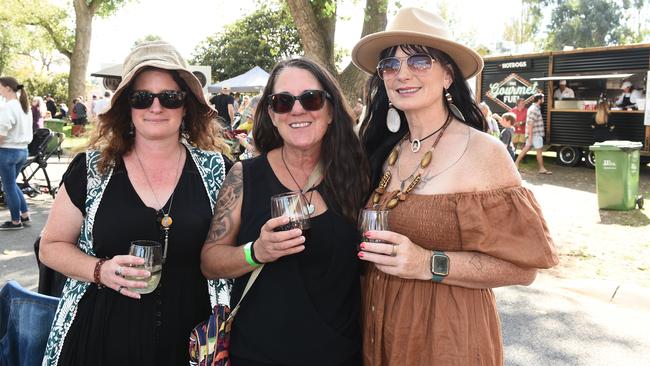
[294, 206]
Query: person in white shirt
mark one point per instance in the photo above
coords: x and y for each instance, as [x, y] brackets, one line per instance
[563, 92]
[629, 97]
[102, 104]
[15, 134]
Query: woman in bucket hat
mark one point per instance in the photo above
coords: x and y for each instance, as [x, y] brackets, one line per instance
[458, 226]
[152, 172]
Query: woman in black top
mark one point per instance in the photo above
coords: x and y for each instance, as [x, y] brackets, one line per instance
[603, 131]
[304, 307]
[155, 155]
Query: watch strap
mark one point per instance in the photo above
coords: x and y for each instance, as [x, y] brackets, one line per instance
[436, 278]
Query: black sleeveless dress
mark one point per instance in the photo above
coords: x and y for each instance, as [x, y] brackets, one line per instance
[111, 329]
[304, 308]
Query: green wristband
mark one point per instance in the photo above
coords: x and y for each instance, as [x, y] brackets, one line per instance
[248, 256]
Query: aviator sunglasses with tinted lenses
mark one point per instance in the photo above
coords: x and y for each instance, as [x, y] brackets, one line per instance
[170, 99]
[311, 100]
[417, 63]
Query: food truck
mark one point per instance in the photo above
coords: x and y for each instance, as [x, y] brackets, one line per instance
[594, 74]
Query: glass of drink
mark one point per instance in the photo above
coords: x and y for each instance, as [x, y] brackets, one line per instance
[293, 205]
[373, 219]
[151, 251]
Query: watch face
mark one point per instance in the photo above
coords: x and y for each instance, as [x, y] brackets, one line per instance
[440, 265]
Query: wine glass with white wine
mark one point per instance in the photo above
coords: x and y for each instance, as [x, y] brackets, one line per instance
[151, 251]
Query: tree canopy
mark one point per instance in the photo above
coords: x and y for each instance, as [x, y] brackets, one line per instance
[70, 38]
[588, 23]
[259, 39]
[578, 23]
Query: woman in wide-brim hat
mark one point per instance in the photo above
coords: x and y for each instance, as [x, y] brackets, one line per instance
[460, 221]
[153, 171]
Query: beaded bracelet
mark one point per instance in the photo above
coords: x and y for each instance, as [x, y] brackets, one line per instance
[97, 275]
[248, 256]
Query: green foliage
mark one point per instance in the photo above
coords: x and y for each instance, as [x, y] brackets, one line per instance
[52, 20]
[261, 38]
[41, 85]
[7, 45]
[525, 27]
[108, 7]
[589, 23]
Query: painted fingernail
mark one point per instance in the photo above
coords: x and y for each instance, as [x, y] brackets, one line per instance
[362, 245]
[360, 254]
[367, 234]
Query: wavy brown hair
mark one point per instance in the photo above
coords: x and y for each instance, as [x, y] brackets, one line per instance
[346, 173]
[111, 136]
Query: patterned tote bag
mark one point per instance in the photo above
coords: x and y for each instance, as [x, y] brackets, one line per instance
[210, 339]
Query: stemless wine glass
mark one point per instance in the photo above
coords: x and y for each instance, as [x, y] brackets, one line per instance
[373, 219]
[151, 251]
[293, 205]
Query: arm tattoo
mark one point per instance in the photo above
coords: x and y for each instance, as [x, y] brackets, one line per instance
[476, 262]
[222, 221]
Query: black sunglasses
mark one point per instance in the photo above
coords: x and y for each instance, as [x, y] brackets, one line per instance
[311, 100]
[170, 99]
[417, 63]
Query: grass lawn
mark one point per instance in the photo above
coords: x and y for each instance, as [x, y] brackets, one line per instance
[72, 145]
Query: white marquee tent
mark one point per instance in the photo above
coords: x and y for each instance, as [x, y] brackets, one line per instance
[252, 81]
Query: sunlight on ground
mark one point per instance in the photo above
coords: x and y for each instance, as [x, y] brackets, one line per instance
[12, 254]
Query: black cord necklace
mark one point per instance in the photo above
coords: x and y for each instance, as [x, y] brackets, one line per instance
[416, 144]
[310, 206]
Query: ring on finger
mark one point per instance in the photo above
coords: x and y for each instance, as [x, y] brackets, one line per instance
[119, 289]
[118, 271]
[393, 251]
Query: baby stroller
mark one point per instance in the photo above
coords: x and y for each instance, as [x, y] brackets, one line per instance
[44, 144]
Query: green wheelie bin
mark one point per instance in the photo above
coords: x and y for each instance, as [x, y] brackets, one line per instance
[617, 174]
[56, 125]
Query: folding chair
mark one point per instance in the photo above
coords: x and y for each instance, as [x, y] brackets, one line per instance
[25, 321]
[44, 144]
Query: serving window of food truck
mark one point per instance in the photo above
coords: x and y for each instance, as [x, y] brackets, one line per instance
[575, 83]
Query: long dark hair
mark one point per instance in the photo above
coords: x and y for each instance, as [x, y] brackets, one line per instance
[345, 168]
[377, 140]
[15, 86]
[112, 133]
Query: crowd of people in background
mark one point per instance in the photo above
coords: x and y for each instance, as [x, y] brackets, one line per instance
[159, 150]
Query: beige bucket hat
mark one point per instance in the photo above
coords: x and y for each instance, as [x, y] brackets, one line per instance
[417, 27]
[161, 55]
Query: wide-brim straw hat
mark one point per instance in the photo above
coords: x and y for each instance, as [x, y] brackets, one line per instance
[416, 27]
[161, 55]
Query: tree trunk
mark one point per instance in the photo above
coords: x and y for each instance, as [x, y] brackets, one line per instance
[317, 43]
[352, 80]
[81, 52]
[317, 37]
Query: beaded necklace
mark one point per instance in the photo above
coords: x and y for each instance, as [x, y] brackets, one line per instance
[415, 178]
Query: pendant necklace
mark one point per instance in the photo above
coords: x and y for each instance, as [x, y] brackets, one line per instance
[309, 186]
[166, 220]
[416, 144]
[404, 190]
